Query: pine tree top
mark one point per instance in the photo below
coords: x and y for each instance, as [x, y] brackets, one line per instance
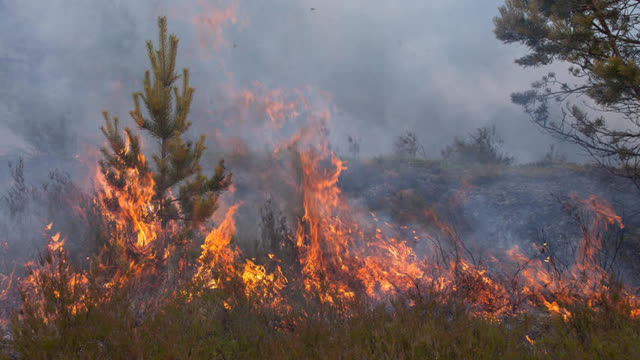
[183, 193]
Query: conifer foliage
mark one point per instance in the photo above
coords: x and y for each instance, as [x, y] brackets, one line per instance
[181, 192]
[600, 98]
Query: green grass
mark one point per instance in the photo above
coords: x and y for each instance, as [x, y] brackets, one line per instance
[204, 329]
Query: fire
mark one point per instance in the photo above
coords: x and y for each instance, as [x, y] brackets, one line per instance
[5, 285]
[341, 256]
[218, 263]
[216, 252]
[555, 308]
[277, 104]
[585, 279]
[531, 341]
[56, 244]
[135, 210]
[211, 22]
[334, 247]
[265, 286]
[341, 252]
[54, 277]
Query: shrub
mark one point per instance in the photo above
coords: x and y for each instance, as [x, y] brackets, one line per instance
[551, 157]
[482, 147]
[354, 146]
[407, 146]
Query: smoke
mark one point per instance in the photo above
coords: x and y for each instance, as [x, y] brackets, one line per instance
[429, 67]
[271, 78]
[261, 71]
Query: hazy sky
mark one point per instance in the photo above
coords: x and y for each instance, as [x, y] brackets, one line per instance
[430, 66]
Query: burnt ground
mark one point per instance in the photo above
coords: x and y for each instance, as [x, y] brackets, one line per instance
[497, 207]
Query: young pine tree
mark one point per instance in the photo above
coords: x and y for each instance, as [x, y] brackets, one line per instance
[182, 193]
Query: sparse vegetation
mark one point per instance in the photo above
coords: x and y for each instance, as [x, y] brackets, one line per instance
[551, 158]
[354, 146]
[407, 146]
[17, 196]
[482, 148]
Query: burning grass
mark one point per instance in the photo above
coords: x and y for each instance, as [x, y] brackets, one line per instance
[339, 286]
[148, 282]
[205, 327]
[341, 282]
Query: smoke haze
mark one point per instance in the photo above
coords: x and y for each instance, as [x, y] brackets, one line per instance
[431, 67]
